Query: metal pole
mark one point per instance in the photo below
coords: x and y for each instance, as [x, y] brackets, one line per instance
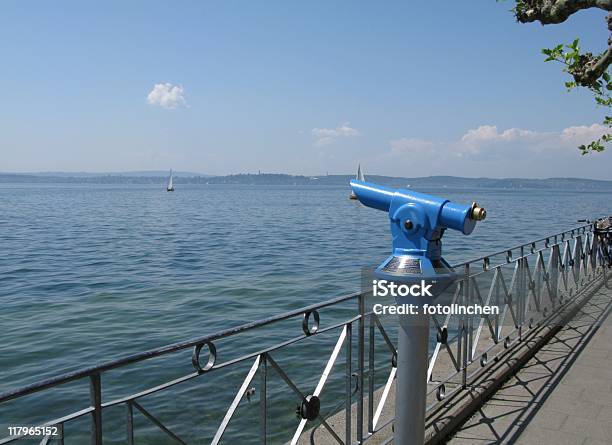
[263, 399]
[553, 274]
[348, 401]
[130, 423]
[361, 359]
[411, 384]
[371, 376]
[95, 390]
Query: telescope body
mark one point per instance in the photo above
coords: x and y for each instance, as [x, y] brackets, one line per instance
[417, 222]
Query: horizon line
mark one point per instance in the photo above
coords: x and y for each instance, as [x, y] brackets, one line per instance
[198, 174]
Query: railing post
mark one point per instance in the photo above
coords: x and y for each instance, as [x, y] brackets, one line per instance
[470, 321]
[497, 321]
[371, 372]
[361, 360]
[465, 346]
[129, 422]
[594, 252]
[578, 260]
[263, 398]
[460, 330]
[349, 386]
[586, 246]
[554, 274]
[95, 392]
[522, 293]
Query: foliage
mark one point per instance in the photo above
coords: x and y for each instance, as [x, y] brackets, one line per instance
[587, 70]
[574, 61]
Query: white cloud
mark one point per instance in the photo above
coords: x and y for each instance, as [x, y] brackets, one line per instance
[325, 136]
[490, 151]
[486, 133]
[167, 96]
[488, 137]
[488, 143]
[583, 134]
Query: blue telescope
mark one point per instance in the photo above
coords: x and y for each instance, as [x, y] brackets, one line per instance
[418, 222]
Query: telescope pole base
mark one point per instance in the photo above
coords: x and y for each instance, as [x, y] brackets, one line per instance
[411, 384]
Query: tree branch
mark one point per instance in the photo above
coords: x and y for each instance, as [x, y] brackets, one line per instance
[590, 68]
[555, 11]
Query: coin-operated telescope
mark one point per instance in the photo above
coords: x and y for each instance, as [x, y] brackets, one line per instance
[418, 222]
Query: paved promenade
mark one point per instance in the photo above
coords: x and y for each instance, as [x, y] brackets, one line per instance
[563, 395]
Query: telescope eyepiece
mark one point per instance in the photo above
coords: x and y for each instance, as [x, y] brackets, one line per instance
[478, 213]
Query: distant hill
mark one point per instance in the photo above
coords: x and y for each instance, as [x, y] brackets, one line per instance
[421, 182]
[145, 173]
[160, 177]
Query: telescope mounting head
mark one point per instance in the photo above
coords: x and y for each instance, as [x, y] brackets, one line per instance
[417, 222]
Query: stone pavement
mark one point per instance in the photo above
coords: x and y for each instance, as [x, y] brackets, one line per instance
[562, 396]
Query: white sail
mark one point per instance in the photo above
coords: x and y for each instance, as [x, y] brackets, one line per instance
[360, 175]
[170, 186]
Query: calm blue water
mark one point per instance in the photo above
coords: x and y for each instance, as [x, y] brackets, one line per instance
[90, 272]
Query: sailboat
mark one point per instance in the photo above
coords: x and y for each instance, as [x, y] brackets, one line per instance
[358, 177]
[170, 187]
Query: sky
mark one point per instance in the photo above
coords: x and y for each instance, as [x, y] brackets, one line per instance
[404, 88]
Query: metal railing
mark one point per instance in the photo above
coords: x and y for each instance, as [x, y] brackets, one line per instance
[530, 283]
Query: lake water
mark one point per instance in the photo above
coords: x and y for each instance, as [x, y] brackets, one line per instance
[90, 272]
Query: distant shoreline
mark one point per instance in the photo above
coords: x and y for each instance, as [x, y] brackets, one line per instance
[284, 179]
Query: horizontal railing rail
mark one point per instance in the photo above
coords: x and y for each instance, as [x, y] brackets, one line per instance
[164, 350]
[531, 282]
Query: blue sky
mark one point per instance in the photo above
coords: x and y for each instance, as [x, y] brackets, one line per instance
[406, 88]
